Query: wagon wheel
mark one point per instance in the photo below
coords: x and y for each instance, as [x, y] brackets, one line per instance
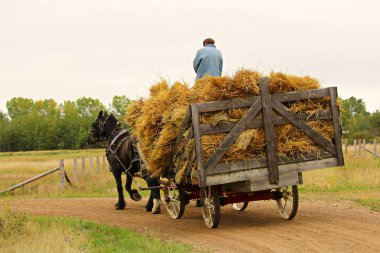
[288, 204]
[240, 206]
[211, 206]
[174, 200]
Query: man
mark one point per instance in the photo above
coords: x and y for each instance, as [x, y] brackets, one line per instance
[208, 60]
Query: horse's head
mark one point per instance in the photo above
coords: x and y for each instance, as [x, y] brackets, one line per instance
[102, 128]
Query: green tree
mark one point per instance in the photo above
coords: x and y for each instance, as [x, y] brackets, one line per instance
[119, 106]
[89, 107]
[70, 126]
[375, 123]
[4, 133]
[88, 110]
[19, 106]
[351, 107]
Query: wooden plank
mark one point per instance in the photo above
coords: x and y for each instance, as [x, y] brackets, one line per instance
[238, 176]
[97, 165]
[345, 146]
[369, 151]
[301, 95]
[314, 135]
[270, 138]
[31, 180]
[233, 135]
[261, 163]
[62, 169]
[191, 160]
[227, 104]
[248, 101]
[364, 148]
[198, 144]
[337, 128]
[83, 166]
[75, 170]
[359, 149]
[285, 179]
[258, 122]
[185, 123]
[374, 149]
[91, 165]
[183, 154]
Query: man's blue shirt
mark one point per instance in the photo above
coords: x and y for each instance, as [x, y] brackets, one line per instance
[208, 61]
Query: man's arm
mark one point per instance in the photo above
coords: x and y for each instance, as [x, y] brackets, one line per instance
[197, 62]
[221, 64]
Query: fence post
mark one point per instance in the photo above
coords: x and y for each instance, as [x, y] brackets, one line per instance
[75, 170]
[62, 169]
[90, 165]
[104, 162]
[364, 149]
[83, 166]
[345, 147]
[97, 165]
[374, 149]
[355, 150]
[360, 148]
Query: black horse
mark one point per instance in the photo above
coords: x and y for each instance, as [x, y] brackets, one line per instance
[123, 157]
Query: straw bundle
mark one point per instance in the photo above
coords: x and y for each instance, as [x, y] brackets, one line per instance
[156, 121]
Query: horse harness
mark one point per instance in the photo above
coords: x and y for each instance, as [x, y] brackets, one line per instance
[115, 143]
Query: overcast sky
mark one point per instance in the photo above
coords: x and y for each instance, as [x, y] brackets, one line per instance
[72, 48]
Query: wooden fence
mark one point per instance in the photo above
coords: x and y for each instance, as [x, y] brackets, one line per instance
[64, 179]
[93, 167]
[361, 148]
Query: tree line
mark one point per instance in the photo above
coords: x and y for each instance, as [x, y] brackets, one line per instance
[357, 122]
[46, 125]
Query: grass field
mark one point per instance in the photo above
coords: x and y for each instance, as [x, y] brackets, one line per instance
[22, 233]
[19, 166]
[358, 180]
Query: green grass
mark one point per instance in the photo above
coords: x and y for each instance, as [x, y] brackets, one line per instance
[373, 204]
[359, 175]
[22, 233]
[358, 181]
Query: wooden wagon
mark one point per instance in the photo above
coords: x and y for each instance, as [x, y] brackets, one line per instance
[272, 178]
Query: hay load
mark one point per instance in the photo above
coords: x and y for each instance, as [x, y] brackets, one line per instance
[156, 121]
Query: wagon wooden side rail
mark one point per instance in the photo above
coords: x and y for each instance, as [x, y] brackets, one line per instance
[214, 172]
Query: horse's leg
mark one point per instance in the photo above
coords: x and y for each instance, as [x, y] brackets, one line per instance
[149, 205]
[128, 185]
[121, 203]
[154, 202]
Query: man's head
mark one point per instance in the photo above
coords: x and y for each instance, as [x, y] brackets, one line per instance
[208, 41]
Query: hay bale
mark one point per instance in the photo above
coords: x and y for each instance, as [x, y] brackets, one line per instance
[156, 120]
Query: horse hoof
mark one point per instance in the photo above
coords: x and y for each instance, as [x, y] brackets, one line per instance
[136, 196]
[120, 206]
[158, 211]
[156, 206]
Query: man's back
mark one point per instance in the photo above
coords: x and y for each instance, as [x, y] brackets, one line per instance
[208, 61]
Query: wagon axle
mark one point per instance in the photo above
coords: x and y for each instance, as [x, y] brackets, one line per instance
[246, 197]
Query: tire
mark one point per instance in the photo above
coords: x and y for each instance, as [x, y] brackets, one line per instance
[211, 206]
[174, 200]
[288, 204]
[240, 206]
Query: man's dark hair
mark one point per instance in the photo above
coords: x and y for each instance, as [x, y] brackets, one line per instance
[208, 41]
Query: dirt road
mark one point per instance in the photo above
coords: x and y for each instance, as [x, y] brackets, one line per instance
[319, 226]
